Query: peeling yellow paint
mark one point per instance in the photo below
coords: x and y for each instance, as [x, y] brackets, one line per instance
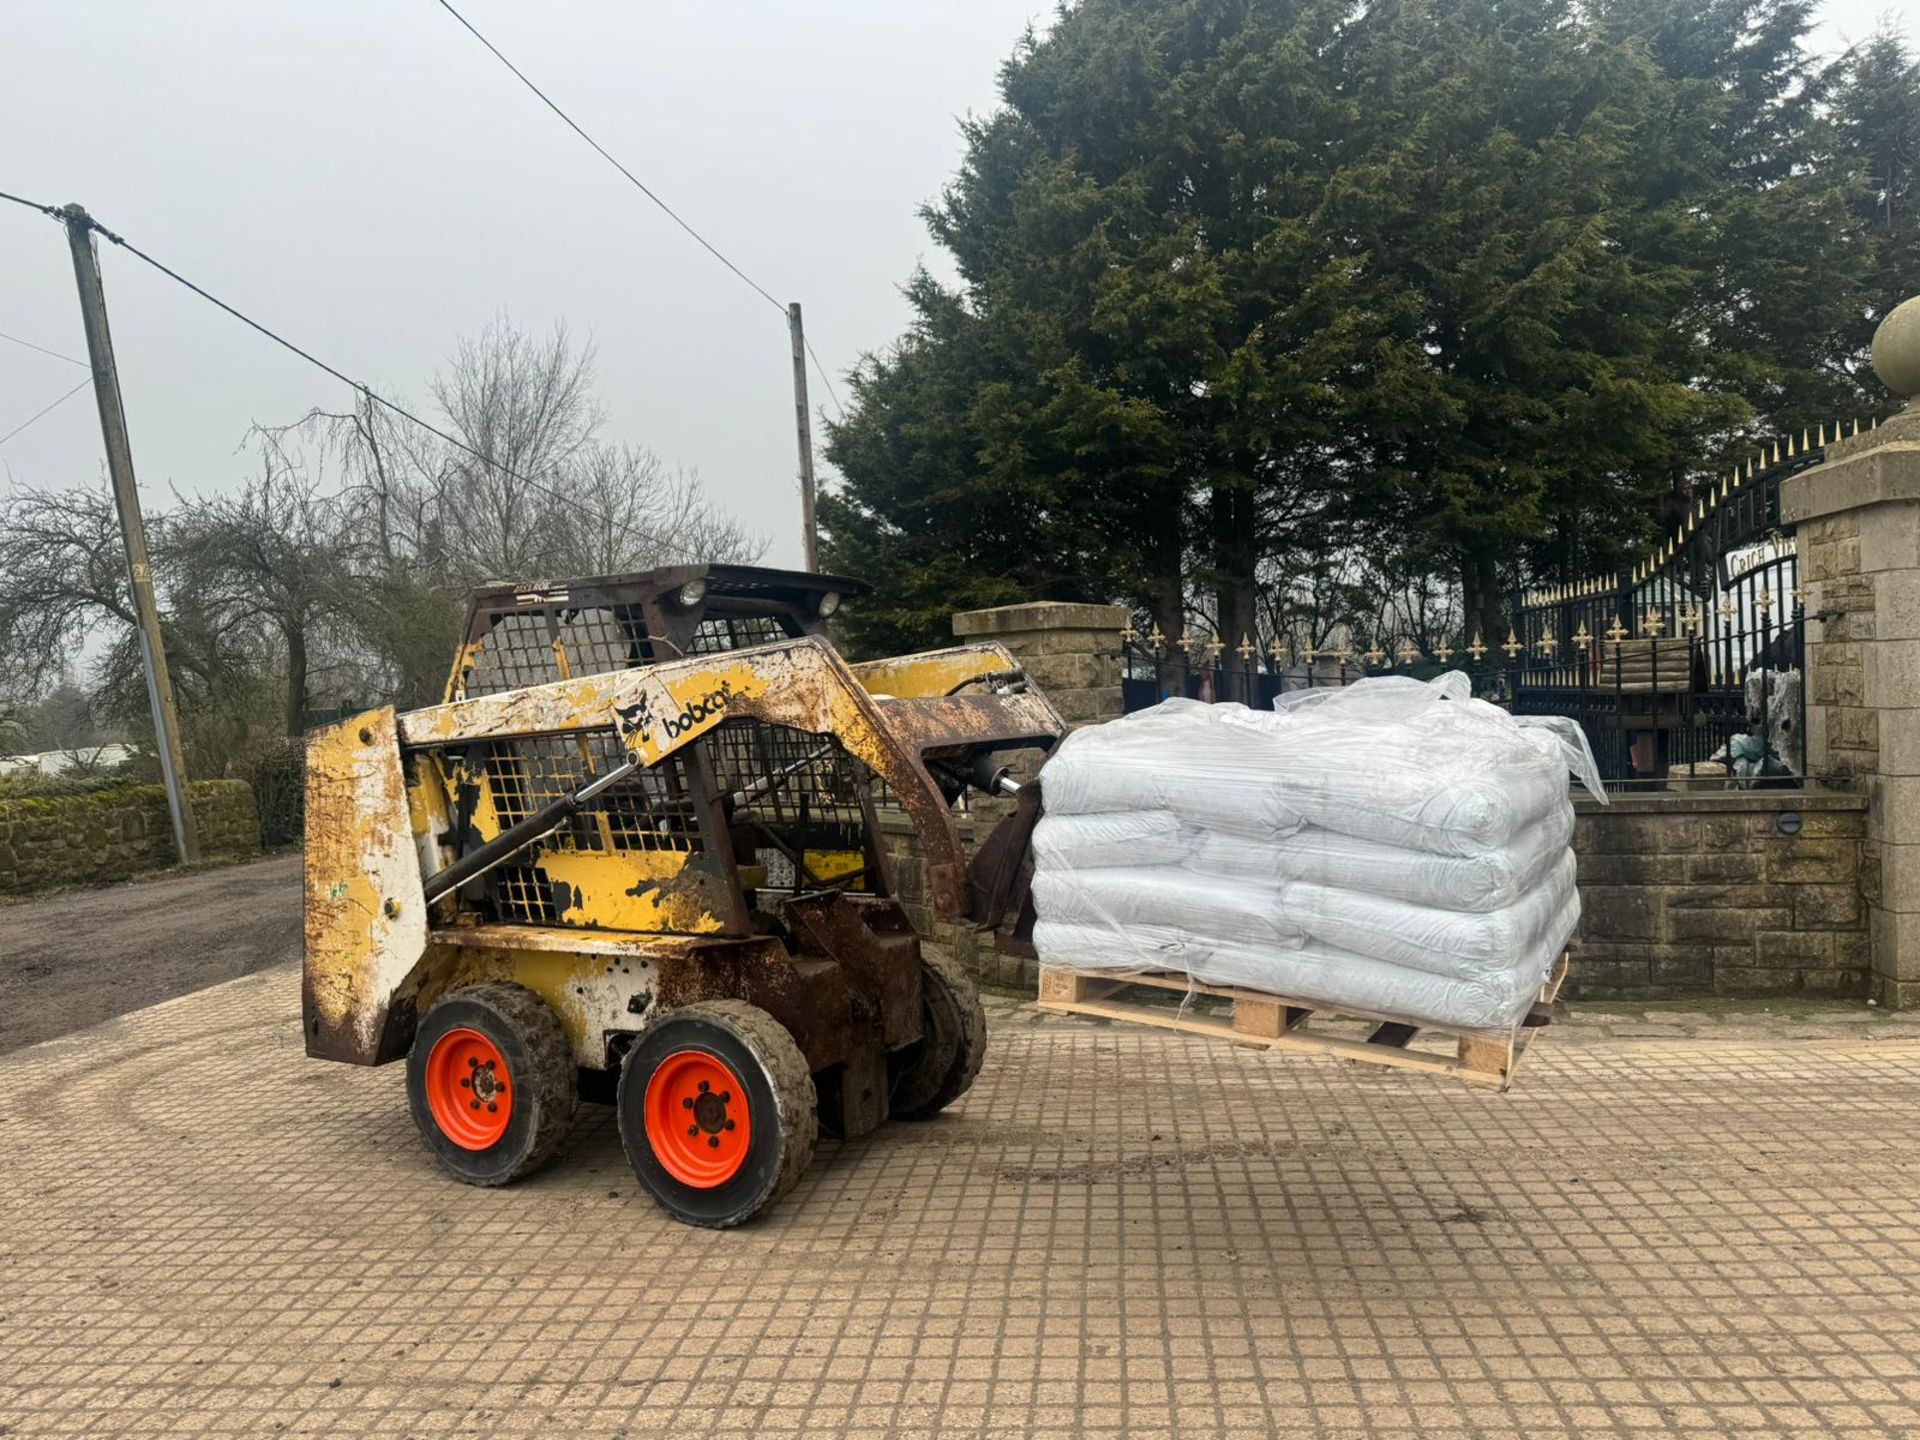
[623, 890]
[365, 915]
[933, 673]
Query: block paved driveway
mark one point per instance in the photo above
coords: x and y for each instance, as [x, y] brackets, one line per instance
[1117, 1233]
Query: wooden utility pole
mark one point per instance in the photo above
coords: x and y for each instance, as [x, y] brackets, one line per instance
[809, 531]
[126, 499]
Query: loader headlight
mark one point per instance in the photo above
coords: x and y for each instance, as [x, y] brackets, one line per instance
[829, 603]
[691, 593]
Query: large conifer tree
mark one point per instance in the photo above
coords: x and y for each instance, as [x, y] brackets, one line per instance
[1482, 284]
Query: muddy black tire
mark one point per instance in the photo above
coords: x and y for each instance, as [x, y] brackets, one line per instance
[491, 1083]
[717, 1112]
[940, 1067]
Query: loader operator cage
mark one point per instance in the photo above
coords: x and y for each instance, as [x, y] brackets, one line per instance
[797, 810]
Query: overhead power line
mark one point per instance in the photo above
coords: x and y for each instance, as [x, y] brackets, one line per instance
[32, 204]
[372, 396]
[643, 188]
[47, 411]
[635, 180]
[43, 350]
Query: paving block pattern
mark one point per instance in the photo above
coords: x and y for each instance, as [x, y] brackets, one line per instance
[1118, 1233]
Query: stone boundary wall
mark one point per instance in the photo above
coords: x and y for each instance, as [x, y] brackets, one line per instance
[112, 834]
[1688, 894]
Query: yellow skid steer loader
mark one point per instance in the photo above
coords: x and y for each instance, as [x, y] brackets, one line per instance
[634, 855]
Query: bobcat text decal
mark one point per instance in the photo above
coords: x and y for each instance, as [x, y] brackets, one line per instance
[638, 721]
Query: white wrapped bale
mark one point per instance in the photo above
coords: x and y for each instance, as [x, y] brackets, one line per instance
[1109, 838]
[1165, 896]
[1487, 881]
[1525, 936]
[1431, 881]
[1180, 756]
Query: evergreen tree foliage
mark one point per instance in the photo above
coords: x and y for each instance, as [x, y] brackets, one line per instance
[1480, 287]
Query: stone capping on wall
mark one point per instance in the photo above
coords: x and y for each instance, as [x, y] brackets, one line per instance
[1039, 615]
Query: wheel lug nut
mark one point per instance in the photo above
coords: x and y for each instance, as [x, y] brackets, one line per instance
[713, 1142]
[472, 1063]
[729, 1124]
[693, 1129]
[465, 1084]
[476, 1104]
[686, 1104]
[492, 1108]
[726, 1097]
[703, 1087]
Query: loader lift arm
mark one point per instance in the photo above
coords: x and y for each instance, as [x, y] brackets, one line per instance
[799, 683]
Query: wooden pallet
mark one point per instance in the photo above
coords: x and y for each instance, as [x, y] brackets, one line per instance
[1273, 1022]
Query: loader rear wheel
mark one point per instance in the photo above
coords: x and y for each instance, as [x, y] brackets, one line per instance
[940, 1067]
[716, 1111]
[490, 1082]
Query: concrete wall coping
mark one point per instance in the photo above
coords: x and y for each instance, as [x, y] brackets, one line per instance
[1039, 615]
[1872, 468]
[1722, 802]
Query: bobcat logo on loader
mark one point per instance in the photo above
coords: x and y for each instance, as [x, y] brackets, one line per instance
[691, 715]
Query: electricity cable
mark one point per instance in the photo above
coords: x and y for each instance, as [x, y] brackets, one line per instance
[372, 396]
[55, 354]
[643, 188]
[47, 411]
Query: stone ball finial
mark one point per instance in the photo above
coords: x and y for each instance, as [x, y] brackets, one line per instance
[1896, 350]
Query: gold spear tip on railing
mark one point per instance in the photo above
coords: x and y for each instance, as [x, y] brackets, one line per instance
[1443, 652]
[1373, 654]
[1616, 632]
[1246, 648]
[1512, 644]
[1157, 640]
[1477, 649]
[1128, 634]
[1581, 637]
[1408, 652]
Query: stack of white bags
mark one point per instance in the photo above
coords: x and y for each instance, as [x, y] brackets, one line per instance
[1394, 847]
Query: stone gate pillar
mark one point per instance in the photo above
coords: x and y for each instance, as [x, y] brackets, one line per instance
[1071, 651]
[1858, 535]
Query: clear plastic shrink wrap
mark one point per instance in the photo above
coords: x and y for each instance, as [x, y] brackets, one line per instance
[1394, 847]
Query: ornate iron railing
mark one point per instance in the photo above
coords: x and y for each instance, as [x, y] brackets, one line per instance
[1684, 668]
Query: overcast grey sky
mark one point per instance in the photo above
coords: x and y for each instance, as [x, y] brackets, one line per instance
[364, 177]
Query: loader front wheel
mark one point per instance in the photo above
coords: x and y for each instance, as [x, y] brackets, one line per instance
[491, 1083]
[940, 1067]
[716, 1110]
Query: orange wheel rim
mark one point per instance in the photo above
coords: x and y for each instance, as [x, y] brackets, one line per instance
[696, 1119]
[468, 1089]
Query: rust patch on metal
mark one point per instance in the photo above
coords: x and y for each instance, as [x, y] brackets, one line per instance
[365, 915]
